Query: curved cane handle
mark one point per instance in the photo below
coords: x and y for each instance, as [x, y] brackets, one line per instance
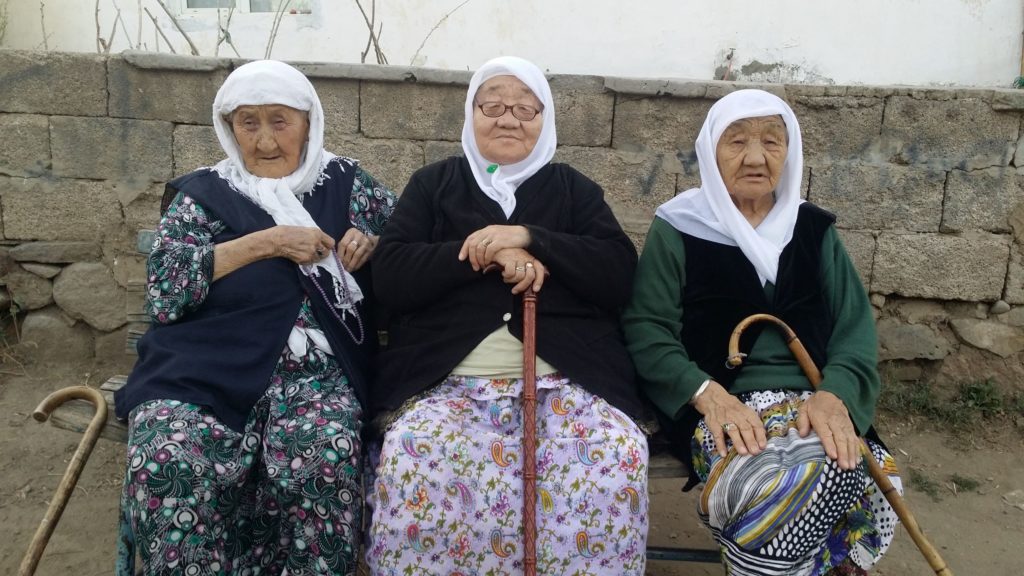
[931, 555]
[74, 470]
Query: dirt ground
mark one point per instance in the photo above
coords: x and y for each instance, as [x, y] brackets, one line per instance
[979, 531]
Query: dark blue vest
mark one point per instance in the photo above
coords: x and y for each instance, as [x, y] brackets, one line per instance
[722, 288]
[222, 355]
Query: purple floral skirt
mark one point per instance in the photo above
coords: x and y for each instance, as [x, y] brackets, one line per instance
[447, 498]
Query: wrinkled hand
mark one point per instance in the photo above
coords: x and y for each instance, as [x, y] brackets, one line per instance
[481, 246]
[826, 414]
[746, 429]
[355, 249]
[520, 268]
[299, 244]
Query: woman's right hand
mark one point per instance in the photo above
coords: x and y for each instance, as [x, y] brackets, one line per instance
[722, 410]
[481, 247]
[520, 268]
[299, 244]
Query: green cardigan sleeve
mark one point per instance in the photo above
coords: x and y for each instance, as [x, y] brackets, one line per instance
[852, 369]
[652, 322]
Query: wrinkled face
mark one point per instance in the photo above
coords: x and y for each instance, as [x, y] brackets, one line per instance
[506, 139]
[271, 138]
[750, 156]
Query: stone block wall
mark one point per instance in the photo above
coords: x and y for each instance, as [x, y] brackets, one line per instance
[928, 184]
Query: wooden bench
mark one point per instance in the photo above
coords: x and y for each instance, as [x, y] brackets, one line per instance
[75, 415]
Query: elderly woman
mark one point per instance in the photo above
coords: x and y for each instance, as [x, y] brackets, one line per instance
[472, 233]
[246, 403]
[784, 489]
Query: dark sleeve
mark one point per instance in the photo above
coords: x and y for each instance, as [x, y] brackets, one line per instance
[594, 258]
[410, 271]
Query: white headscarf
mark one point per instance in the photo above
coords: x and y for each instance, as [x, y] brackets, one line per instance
[709, 213]
[501, 184]
[273, 82]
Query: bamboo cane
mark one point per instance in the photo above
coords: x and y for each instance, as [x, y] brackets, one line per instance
[67, 483]
[877, 474]
[530, 433]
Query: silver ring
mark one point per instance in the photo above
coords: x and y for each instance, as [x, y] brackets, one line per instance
[529, 264]
[485, 241]
[520, 268]
[355, 243]
[728, 426]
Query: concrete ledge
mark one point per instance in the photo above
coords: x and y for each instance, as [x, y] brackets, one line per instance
[180, 62]
[656, 87]
[1008, 99]
[379, 73]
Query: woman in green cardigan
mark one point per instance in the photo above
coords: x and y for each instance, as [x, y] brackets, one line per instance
[785, 490]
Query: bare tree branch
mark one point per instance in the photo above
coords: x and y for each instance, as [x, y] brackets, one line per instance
[192, 47]
[124, 27]
[374, 37]
[412, 60]
[3, 19]
[107, 43]
[161, 32]
[42, 22]
[369, 39]
[277, 24]
[224, 32]
[99, 34]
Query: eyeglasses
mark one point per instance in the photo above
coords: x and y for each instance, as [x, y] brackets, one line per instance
[522, 112]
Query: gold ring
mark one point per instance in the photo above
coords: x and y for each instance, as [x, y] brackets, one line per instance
[520, 268]
[728, 426]
[355, 243]
[485, 241]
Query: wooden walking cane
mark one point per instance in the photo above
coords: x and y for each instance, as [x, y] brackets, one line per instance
[67, 483]
[530, 433]
[877, 474]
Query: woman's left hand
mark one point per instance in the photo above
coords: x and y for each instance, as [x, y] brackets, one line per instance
[355, 249]
[826, 414]
[481, 246]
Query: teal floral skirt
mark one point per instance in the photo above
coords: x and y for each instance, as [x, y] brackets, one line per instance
[200, 498]
[447, 498]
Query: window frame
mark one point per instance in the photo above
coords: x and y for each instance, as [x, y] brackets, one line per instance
[241, 7]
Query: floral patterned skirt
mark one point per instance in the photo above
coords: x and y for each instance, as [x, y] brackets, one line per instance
[790, 510]
[200, 498]
[447, 498]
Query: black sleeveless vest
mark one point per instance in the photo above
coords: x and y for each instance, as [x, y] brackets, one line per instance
[223, 354]
[722, 288]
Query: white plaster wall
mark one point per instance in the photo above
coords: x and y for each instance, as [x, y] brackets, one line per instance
[916, 42]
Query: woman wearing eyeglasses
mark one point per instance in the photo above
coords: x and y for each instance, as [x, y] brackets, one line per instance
[471, 234]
